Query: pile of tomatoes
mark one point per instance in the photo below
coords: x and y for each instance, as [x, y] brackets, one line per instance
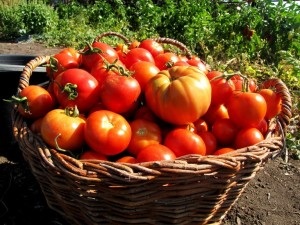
[141, 102]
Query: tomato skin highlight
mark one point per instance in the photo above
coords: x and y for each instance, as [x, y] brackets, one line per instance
[107, 132]
[173, 95]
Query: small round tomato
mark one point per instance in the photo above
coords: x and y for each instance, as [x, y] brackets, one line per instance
[107, 132]
[155, 152]
[35, 126]
[247, 137]
[33, 101]
[221, 88]
[200, 125]
[225, 131]
[215, 112]
[273, 101]
[63, 129]
[137, 54]
[144, 133]
[119, 93]
[196, 61]
[165, 60]
[152, 46]
[182, 142]
[210, 141]
[143, 71]
[246, 109]
[89, 154]
[224, 150]
[263, 127]
[76, 87]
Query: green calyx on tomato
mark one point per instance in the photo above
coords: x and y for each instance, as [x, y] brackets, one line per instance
[70, 90]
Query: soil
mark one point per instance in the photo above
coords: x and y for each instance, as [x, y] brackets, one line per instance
[271, 198]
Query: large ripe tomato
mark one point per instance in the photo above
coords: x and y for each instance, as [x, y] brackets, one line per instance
[247, 137]
[246, 109]
[155, 152]
[143, 71]
[76, 87]
[120, 93]
[182, 142]
[33, 101]
[107, 132]
[63, 129]
[165, 60]
[137, 54]
[98, 52]
[225, 131]
[144, 133]
[273, 101]
[66, 59]
[179, 95]
[152, 46]
[221, 88]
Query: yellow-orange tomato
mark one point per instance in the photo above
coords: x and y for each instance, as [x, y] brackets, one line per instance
[179, 95]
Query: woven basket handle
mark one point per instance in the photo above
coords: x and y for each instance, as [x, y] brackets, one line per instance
[286, 109]
[111, 33]
[29, 68]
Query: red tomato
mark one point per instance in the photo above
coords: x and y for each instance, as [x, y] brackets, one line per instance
[155, 152]
[225, 131]
[247, 137]
[127, 159]
[63, 129]
[215, 112]
[143, 71]
[66, 59]
[76, 87]
[143, 133]
[273, 101]
[183, 142]
[89, 154]
[143, 112]
[173, 95]
[33, 101]
[35, 126]
[107, 132]
[210, 141]
[200, 125]
[98, 52]
[196, 61]
[165, 60]
[136, 55]
[152, 46]
[224, 150]
[239, 83]
[120, 93]
[263, 127]
[181, 63]
[246, 109]
[221, 88]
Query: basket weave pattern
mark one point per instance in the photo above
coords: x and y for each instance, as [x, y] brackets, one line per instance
[193, 189]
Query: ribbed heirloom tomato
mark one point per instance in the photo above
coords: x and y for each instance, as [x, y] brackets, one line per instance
[107, 132]
[179, 95]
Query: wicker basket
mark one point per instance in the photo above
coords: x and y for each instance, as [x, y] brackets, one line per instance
[193, 189]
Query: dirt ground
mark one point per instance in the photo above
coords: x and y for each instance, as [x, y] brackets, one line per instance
[271, 198]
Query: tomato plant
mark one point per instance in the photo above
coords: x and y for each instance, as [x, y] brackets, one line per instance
[33, 101]
[183, 142]
[107, 132]
[246, 109]
[155, 152]
[143, 133]
[63, 129]
[173, 95]
[76, 87]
